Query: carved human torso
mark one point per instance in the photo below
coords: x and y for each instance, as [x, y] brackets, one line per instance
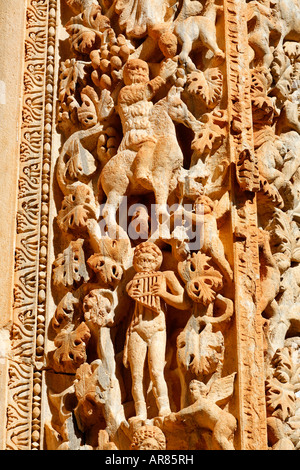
[135, 108]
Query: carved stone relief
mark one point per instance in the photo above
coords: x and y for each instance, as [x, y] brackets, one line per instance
[161, 236]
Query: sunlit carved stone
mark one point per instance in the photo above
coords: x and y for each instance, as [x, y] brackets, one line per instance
[156, 300]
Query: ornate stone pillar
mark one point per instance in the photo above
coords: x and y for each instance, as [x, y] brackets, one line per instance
[155, 299]
[12, 19]
[245, 183]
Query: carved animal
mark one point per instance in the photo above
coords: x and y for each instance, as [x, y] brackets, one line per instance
[260, 25]
[282, 18]
[149, 158]
[191, 30]
[289, 14]
[137, 16]
[210, 242]
[206, 413]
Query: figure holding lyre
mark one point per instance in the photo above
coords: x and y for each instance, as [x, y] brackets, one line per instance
[147, 331]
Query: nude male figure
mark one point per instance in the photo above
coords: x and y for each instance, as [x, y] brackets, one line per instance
[147, 331]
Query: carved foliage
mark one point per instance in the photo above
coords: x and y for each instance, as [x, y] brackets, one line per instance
[202, 280]
[70, 265]
[71, 349]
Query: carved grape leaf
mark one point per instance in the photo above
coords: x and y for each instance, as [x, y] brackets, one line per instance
[71, 349]
[77, 209]
[204, 287]
[81, 164]
[292, 50]
[280, 398]
[202, 280]
[210, 352]
[87, 113]
[98, 308]
[72, 73]
[106, 105]
[70, 265]
[108, 262]
[206, 86]
[86, 28]
[89, 408]
[211, 135]
[86, 381]
[262, 104]
[280, 387]
[200, 353]
[65, 312]
[284, 238]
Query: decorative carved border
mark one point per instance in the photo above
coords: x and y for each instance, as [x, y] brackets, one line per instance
[27, 342]
[245, 185]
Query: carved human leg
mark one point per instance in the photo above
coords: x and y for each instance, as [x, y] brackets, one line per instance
[137, 351]
[156, 361]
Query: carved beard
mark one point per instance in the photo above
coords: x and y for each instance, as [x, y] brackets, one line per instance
[140, 78]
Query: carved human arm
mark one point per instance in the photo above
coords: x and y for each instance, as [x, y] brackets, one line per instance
[167, 69]
[177, 297]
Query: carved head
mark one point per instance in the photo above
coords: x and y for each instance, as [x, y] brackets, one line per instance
[205, 203]
[201, 279]
[206, 86]
[197, 390]
[168, 44]
[147, 257]
[281, 385]
[136, 71]
[148, 438]
[98, 309]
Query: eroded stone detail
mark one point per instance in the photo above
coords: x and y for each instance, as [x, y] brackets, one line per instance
[174, 313]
